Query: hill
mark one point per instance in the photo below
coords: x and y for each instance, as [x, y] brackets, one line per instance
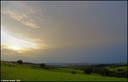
[26, 73]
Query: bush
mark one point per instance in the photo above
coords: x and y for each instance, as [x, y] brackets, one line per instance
[104, 72]
[88, 70]
[20, 61]
[121, 74]
[120, 70]
[42, 65]
[73, 72]
[9, 64]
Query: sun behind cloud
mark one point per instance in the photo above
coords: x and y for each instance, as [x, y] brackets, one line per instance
[17, 44]
[15, 48]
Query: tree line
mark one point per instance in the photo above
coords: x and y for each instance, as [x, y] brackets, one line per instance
[105, 72]
[102, 70]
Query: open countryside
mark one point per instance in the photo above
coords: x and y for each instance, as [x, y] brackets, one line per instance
[64, 41]
[30, 72]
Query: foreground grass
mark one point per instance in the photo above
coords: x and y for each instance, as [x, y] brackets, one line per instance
[30, 74]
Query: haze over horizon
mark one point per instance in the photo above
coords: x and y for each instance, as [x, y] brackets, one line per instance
[64, 31]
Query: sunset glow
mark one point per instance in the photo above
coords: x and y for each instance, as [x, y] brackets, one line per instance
[16, 43]
[15, 48]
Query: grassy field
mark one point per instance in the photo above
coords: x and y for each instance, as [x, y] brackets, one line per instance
[25, 73]
[115, 69]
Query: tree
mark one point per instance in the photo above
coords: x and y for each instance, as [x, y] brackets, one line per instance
[104, 71]
[88, 70]
[120, 70]
[42, 65]
[20, 61]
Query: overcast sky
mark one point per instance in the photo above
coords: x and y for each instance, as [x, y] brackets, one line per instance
[64, 32]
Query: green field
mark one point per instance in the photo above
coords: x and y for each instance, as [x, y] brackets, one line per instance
[25, 73]
[116, 68]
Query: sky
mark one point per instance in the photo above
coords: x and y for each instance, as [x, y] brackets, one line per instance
[64, 31]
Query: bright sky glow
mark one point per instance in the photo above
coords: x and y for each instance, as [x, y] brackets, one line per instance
[15, 43]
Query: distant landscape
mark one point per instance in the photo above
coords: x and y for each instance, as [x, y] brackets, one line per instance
[27, 71]
[64, 41]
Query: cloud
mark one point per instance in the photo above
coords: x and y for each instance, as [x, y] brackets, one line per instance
[21, 17]
[30, 24]
[73, 34]
[11, 55]
[24, 44]
[28, 55]
[24, 12]
[5, 51]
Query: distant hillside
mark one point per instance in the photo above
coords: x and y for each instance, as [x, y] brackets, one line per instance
[67, 64]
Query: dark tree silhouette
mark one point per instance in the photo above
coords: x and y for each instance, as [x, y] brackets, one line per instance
[42, 65]
[20, 61]
[88, 70]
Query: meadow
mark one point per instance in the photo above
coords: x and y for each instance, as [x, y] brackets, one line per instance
[26, 73]
[117, 68]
